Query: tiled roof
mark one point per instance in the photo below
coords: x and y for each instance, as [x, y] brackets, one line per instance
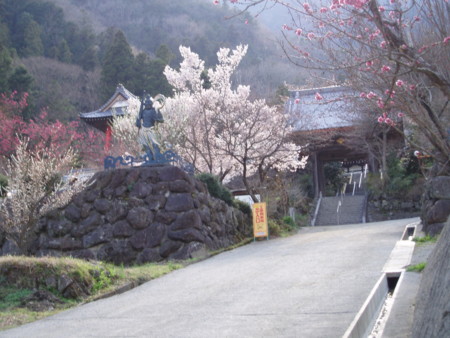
[111, 108]
[309, 113]
[104, 114]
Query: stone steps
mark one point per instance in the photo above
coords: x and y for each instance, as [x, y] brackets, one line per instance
[351, 210]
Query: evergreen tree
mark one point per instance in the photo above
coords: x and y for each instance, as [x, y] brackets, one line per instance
[156, 81]
[149, 76]
[5, 68]
[4, 34]
[20, 80]
[205, 78]
[51, 21]
[81, 43]
[140, 81]
[165, 54]
[29, 34]
[117, 65]
[89, 59]
[64, 54]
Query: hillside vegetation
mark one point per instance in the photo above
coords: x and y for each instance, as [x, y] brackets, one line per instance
[93, 45]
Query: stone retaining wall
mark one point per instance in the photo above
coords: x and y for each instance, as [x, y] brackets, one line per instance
[138, 215]
[436, 204]
[432, 311]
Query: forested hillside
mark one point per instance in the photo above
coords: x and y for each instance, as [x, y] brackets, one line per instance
[198, 24]
[70, 54]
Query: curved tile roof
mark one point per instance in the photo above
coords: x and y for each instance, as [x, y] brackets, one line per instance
[112, 107]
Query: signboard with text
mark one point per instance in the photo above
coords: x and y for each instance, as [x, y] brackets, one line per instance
[260, 228]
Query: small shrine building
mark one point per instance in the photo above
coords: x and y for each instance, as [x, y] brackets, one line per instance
[122, 102]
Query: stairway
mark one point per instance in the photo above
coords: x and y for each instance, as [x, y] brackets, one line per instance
[351, 210]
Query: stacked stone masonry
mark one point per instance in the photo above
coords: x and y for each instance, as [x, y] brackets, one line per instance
[436, 204]
[139, 215]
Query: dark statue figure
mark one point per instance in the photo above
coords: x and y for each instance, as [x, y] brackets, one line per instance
[148, 114]
[147, 119]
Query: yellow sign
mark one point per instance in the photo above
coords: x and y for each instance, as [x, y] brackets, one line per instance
[260, 228]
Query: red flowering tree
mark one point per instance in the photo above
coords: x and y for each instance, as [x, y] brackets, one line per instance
[43, 133]
[394, 52]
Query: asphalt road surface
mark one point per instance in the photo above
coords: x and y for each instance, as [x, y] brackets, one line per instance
[308, 285]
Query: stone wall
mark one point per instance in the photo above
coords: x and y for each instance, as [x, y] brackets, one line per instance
[432, 312]
[383, 210]
[436, 204]
[138, 215]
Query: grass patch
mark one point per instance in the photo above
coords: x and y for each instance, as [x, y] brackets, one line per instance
[11, 297]
[21, 276]
[19, 316]
[146, 272]
[417, 268]
[426, 239]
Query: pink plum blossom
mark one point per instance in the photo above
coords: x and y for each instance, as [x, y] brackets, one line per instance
[389, 121]
[400, 115]
[362, 95]
[399, 83]
[371, 95]
[319, 97]
[323, 10]
[298, 31]
[390, 93]
[356, 3]
[422, 49]
[297, 101]
[447, 39]
[311, 36]
[385, 69]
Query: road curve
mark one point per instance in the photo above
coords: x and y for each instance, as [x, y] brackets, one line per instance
[308, 285]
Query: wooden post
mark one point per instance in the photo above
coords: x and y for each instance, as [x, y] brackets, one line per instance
[108, 138]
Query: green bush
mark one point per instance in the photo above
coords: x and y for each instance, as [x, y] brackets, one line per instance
[215, 188]
[289, 223]
[242, 206]
[302, 220]
[307, 185]
[334, 177]
[3, 185]
[274, 228]
[402, 179]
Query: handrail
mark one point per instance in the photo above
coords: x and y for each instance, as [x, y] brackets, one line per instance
[316, 212]
[338, 213]
[364, 212]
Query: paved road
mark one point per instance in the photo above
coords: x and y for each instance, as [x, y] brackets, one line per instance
[308, 285]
